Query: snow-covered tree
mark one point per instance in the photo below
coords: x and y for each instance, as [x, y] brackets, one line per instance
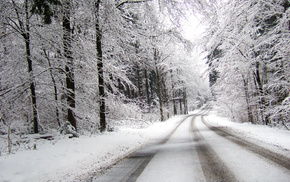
[247, 34]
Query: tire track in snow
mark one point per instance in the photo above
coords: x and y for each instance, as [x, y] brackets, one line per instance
[136, 172]
[213, 168]
[134, 164]
[148, 156]
[261, 151]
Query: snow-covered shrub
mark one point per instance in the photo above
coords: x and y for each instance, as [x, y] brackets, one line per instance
[128, 113]
[280, 115]
[67, 128]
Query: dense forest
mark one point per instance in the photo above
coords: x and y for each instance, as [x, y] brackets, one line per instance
[88, 65]
[248, 44]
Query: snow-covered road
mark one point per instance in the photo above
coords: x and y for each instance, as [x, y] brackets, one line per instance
[183, 148]
[196, 151]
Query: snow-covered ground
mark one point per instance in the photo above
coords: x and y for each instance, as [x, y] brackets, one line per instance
[273, 136]
[64, 159]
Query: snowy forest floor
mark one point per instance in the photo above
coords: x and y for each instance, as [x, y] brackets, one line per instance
[64, 159]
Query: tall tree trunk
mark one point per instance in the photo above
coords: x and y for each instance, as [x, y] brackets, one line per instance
[166, 98]
[173, 94]
[247, 97]
[158, 80]
[180, 101]
[69, 68]
[152, 83]
[26, 36]
[159, 94]
[139, 81]
[102, 109]
[54, 87]
[185, 111]
[24, 30]
[259, 83]
[9, 144]
[147, 88]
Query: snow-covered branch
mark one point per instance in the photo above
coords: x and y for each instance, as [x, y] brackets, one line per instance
[131, 1]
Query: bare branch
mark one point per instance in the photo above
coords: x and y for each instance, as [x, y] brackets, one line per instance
[136, 1]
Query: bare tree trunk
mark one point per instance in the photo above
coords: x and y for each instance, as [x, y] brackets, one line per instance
[54, 87]
[159, 94]
[32, 85]
[185, 111]
[147, 89]
[25, 32]
[69, 68]
[180, 102]
[173, 94]
[102, 95]
[247, 97]
[139, 81]
[158, 85]
[166, 98]
[9, 138]
[259, 84]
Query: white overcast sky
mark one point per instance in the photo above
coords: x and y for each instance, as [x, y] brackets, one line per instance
[192, 27]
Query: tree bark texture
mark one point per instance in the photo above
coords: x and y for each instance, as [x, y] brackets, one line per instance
[185, 111]
[173, 94]
[102, 107]
[26, 35]
[165, 95]
[158, 85]
[180, 102]
[54, 87]
[247, 97]
[259, 83]
[69, 68]
[139, 81]
[147, 88]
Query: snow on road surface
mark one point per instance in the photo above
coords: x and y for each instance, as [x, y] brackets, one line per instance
[176, 160]
[245, 164]
[79, 158]
[195, 152]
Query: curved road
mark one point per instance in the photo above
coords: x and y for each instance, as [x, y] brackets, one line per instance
[197, 151]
